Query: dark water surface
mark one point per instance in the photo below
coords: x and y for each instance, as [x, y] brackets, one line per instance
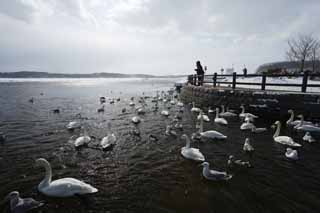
[139, 175]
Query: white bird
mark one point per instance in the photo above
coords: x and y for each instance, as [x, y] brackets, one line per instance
[180, 104]
[131, 103]
[292, 122]
[286, 140]
[247, 125]
[258, 130]
[247, 147]
[64, 187]
[82, 140]
[292, 154]
[204, 117]
[165, 113]
[211, 134]
[170, 131]
[194, 108]
[191, 153]
[73, 125]
[215, 175]
[141, 110]
[220, 120]
[308, 137]
[210, 110]
[21, 205]
[224, 113]
[306, 127]
[243, 114]
[108, 140]
[136, 119]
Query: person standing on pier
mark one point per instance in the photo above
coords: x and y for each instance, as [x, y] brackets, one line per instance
[200, 73]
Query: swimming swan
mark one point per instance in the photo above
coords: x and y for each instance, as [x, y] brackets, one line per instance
[291, 122]
[108, 140]
[306, 127]
[286, 140]
[22, 205]
[243, 114]
[211, 134]
[220, 120]
[204, 117]
[247, 126]
[213, 174]
[64, 187]
[194, 109]
[226, 113]
[191, 153]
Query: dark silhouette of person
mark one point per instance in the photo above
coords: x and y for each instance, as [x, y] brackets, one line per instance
[200, 73]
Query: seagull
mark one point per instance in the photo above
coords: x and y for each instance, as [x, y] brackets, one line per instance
[214, 174]
[22, 205]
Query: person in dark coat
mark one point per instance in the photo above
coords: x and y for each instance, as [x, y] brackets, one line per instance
[200, 73]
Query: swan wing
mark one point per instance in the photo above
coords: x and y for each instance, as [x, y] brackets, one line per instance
[213, 134]
[286, 141]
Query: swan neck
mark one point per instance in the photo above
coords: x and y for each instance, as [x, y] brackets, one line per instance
[242, 110]
[201, 125]
[223, 109]
[291, 117]
[188, 142]
[217, 113]
[276, 134]
[47, 179]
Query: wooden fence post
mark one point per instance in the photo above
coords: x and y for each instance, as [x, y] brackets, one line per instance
[305, 81]
[234, 79]
[263, 84]
[194, 80]
[215, 79]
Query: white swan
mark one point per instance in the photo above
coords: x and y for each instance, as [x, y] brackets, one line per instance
[73, 125]
[292, 154]
[108, 140]
[194, 108]
[308, 137]
[191, 153]
[82, 140]
[247, 126]
[214, 174]
[131, 103]
[292, 122]
[165, 113]
[211, 134]
[220, 120]
[306, 127]
[243, 114]
[21, 205]
[136, 119]
[180, 104]
[64, 187]
[286, 140]
[247, 147]
[224, 113]
[203, 116]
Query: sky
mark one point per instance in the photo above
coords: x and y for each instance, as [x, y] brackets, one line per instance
[157, 37]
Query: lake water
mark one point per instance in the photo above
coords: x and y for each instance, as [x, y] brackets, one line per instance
[139, 175]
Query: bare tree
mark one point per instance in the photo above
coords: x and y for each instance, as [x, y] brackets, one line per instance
[300, 48]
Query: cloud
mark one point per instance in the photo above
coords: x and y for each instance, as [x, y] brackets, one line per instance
[148, 36]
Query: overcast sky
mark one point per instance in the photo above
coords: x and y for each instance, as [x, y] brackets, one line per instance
[149, 36]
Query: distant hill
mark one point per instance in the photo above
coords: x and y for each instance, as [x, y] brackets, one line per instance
[34, 74]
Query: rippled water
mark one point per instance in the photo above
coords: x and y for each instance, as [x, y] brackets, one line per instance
[139, 175]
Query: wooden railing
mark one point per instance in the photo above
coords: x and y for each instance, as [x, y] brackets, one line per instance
[215, 80]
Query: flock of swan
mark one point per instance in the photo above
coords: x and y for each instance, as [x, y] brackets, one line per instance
[66, 187]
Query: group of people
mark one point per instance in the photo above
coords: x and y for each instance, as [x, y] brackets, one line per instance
[200, 72]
